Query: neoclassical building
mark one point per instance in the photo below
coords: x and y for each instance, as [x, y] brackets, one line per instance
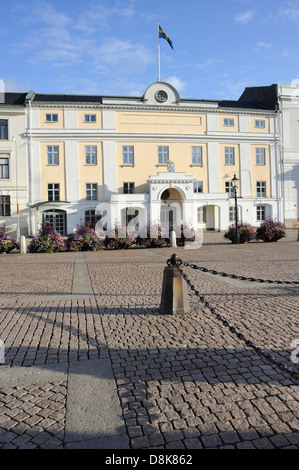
[156, 158]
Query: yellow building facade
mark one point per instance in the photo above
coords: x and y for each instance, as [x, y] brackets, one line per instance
[95, 156]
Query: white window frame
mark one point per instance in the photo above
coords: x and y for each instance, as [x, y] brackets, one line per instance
[55, 191]
[91, 191]
[128, 155]
[260, 156]
[260, 124]
[261, 189]
[228, 122]
[53, 155]
[197, 155]
[229, 155]
[90, 118]
[129, 187]
[91, 156]
[198, 187]
[261, 213]
[51, 117]
[163, 154]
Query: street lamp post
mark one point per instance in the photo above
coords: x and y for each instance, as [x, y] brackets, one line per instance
[235, 184]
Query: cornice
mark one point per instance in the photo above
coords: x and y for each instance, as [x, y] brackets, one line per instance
[153, 108]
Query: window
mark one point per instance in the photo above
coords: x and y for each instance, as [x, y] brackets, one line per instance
[229, 189]
[196, 155]
[261, 213]
[128, 155]
[53, 154]
[129, 188]
[260, 157]
[91, 218]
[91, 154]
[4, 173]
[53, 192]
[229, 154]
[163, 155]
[259, 123]
[51, 117]
[232, 214]
[198, 187]
[261, 189]
[4, 206]
[90, 118]
[91, 191]
[3, 129]
[228, 122]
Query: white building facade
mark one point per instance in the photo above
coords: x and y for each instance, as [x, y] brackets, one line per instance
[68, 159]
[13, 164]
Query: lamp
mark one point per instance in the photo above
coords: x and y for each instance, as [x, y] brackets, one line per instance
[235, 185]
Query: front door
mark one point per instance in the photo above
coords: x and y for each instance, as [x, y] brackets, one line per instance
[56, 219]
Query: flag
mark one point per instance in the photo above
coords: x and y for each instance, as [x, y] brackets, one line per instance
[163, 35]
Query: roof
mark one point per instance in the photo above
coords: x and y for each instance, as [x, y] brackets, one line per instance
[12, 99]
[61, 98]
[263, 95]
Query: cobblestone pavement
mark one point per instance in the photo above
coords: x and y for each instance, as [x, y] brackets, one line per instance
[183, 381]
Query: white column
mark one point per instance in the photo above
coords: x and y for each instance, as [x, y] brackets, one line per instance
[245, 170]
[109, 168]
[213, 167]
[71, 171]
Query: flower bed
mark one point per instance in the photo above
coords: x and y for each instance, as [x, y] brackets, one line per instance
[53, 242]
[247, 233]
[7, 243]
[271, 231]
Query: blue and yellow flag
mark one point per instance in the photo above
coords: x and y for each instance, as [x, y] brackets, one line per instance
[163, 35]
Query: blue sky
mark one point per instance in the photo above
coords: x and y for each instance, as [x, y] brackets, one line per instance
[109, 47]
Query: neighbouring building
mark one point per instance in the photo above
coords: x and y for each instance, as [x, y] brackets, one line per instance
[13, 164]
[157, 156]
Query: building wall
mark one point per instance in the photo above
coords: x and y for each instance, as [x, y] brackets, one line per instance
[289, 103]
[146, 125]
[16, 186]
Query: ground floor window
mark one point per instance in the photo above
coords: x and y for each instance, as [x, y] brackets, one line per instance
[261, 213]
[91, 218]
[4, 206]
[232, 214]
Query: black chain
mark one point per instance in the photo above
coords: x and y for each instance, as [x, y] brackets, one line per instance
[175, 261]
[234, 276]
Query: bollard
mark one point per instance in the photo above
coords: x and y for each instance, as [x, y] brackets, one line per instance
[23, 247]
[174, 298]
[298, 235]
[172, 239]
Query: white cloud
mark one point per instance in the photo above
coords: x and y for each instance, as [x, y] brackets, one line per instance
[232, 90]
[245, 17]
[206, 63]
[122, 56]
[289, 14]
[176, 82]
[263, 45]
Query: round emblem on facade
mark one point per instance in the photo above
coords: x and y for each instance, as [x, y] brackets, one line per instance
[161, 96]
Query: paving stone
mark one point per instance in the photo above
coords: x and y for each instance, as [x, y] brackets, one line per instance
[176, 374]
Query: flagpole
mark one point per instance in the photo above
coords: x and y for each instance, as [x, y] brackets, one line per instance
[159, 75]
